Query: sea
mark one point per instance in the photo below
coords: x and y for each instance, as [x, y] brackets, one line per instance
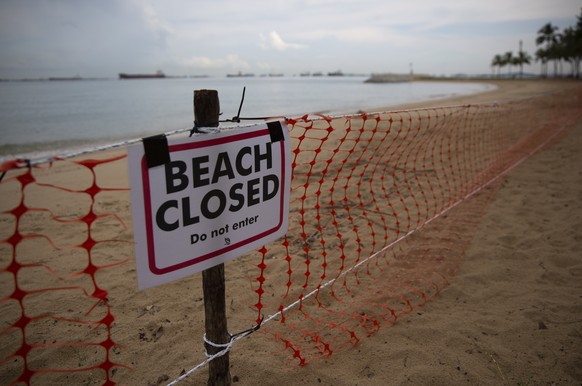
[42, 117]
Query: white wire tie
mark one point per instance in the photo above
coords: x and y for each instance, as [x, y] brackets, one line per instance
[224, 346]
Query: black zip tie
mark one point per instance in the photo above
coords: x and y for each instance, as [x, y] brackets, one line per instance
[255, 118]
[237, 118]
[227, 346]
[248, 331]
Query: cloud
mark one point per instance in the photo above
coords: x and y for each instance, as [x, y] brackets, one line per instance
[101, 38]
[274, 42]
[161, 31]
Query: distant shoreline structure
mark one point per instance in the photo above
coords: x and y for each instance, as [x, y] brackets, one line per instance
[240, 75]
[157, 75]
[390, 78]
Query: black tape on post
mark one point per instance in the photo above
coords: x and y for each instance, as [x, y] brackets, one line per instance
[156, 150]
[275, 131]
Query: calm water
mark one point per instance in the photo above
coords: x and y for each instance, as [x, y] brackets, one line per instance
[52, 116]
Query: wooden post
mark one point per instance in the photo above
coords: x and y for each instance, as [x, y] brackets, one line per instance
[206, 112]
[206, 108]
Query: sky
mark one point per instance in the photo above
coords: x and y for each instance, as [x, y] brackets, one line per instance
[101, 38]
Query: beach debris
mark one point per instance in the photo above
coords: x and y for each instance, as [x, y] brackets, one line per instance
[157, 334]
[150, 309]
[154, 335]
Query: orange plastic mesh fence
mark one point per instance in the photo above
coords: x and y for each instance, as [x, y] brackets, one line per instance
[54, 228]
[371, 237]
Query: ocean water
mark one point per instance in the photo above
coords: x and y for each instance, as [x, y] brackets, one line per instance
[53, 116]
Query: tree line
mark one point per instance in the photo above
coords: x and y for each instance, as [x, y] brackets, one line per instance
[554, 47]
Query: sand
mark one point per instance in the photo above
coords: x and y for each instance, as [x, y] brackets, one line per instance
[512, 315]
[505, 90]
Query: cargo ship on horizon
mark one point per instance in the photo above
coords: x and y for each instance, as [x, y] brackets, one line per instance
[157, 75]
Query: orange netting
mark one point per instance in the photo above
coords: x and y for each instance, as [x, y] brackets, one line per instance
[36, 232]
[383, 207]
[374, 234]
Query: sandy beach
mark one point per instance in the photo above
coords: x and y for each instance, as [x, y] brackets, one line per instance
[511, 315]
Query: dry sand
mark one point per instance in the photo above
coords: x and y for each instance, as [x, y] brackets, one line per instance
[513, 315]
[505, 90]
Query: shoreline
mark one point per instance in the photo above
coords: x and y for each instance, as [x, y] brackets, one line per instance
[504, 90]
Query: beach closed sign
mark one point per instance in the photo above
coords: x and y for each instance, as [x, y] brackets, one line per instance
[207, 199]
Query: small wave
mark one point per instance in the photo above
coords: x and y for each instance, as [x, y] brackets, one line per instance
[41, 150]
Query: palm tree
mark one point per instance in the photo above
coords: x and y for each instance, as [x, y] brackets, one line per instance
[571, 49]
[557, 47]
[567, 42]
[508, 60]
[559, 53]
[497, 62]
[542, 56]
[521, 59]
[547, 35]
[576, 45]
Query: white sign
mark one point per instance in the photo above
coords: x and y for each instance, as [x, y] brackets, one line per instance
[219, 196]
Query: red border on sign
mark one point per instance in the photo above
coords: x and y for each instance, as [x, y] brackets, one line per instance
[148, 205]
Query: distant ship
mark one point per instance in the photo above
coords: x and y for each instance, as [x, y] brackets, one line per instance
[157, 75]
[76, 77]
[240, 75]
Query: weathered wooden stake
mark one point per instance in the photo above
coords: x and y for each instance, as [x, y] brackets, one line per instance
[206, 108]
[206, 112]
